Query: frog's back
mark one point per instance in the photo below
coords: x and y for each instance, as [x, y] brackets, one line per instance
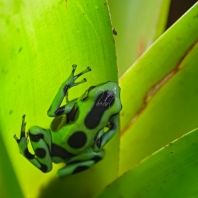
[94, 109]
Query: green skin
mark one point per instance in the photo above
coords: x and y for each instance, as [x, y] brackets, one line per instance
[79, 131]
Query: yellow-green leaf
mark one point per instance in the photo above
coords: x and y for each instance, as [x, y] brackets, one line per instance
[40, 40]
[138, 24]
[8, 182]
[160, 92]
[170, 172]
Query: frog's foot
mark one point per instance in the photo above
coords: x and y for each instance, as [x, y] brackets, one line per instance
[41, 159]
[22, 141]
[73, 77]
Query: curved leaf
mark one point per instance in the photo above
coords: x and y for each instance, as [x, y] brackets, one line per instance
[7, 176]
[170, 172]
[138, 24]
[162, 102]
[40, 40]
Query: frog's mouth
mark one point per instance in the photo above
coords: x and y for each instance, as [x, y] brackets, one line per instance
[103, 102]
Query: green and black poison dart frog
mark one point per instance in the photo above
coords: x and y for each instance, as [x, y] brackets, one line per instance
[79, 131]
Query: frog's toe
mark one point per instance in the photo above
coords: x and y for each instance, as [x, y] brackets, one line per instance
[88, 69]
[16, 138]
[82, 81]
[74, 68]
[23, 125]
[22, 134]
[22, 137]
[73, 77]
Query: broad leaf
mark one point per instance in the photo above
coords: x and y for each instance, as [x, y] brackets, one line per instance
[170, 172]
[7, 176]
[159, 93]
[138, 24]
[40, 40]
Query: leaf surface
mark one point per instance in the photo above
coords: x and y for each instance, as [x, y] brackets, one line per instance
[138, 24]
[40, 40]
[170, 172]
[7, 176]
[159, 93]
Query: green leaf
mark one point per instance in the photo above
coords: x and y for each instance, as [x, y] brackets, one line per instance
[170, 172]
[40, 40]
[162, 102]
[138, 24]
[7, 176]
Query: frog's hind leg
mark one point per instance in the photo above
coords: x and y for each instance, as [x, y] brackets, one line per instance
[41, 142]
[81, 162]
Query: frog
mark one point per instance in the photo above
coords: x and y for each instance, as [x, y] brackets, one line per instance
[79, 131]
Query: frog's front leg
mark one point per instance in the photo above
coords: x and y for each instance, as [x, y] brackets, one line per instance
[41, 143]
[104, 137]
[55, 109]
[81, 162]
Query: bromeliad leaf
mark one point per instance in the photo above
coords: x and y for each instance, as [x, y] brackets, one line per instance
[170, 172]
[163, 99]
